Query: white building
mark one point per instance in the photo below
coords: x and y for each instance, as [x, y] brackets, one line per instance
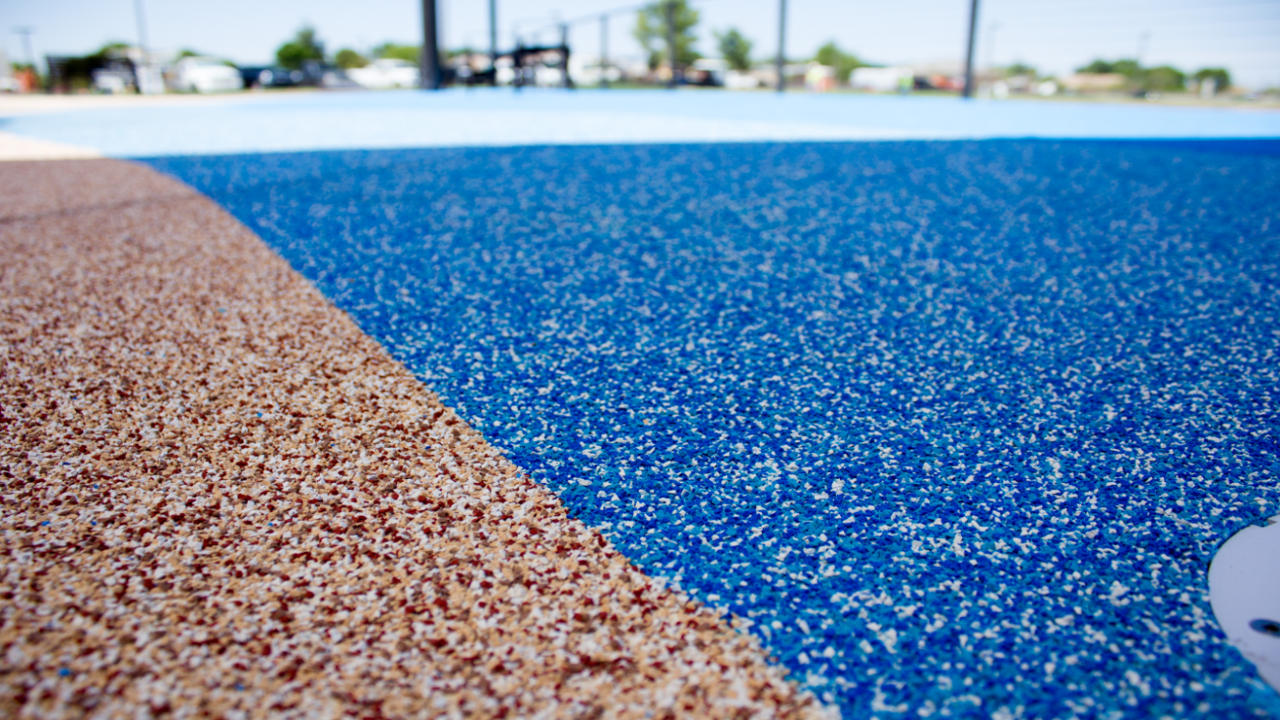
[586, 70]
[882, 79]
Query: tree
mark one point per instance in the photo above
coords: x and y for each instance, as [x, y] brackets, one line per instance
[348, 58]
[1020, 69]
[1163, 79]
[651, 31]
[1221, 78]
[735, 48]
[1128, 68]
[1139, 79]
[844, 63]
[77, 72]
[411, 53]
[304, 46]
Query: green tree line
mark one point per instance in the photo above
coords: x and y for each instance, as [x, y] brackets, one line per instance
[1161, 78]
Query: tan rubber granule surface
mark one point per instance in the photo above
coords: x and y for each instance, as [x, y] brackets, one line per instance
[219, 498]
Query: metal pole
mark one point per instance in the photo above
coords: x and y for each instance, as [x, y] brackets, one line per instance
[782, 43]
[968, 62]
[429, 64]
[31, 58]
[142, 27]
[493, 33]
[565, 82]
[671, 41]
[144, 61]
[991, 46]
[604, 51]
[517, 64]
[25, 32]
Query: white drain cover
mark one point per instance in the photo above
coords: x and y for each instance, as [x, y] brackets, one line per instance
[1244, 589]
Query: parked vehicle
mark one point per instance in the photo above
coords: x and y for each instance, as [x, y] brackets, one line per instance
[270, 76]
[116, 78]
[386, 73]
[206, 75]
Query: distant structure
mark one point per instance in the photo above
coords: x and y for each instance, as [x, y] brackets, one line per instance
[881, 79]
[524, 62]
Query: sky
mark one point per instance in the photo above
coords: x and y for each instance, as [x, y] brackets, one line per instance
[1054, 36]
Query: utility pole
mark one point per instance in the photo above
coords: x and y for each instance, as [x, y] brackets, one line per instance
[671, 41]
[782, 44]
[149, 82]
[517, 62]
[142, 28]
[604, 50]
[25, 32]
[968, 61]
[493, 33]
[991, 45]
[429, 63]
[1142, 46]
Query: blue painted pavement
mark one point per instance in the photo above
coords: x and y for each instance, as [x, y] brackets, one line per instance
[957, 425]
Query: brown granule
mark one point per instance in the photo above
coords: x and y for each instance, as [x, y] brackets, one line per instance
[219, 498]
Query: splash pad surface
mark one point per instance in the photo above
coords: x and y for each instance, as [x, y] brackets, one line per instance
[957, 425]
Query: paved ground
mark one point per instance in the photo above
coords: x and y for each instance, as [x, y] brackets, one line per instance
[954, 427]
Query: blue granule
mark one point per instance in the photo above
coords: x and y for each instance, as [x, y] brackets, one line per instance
[957, 425]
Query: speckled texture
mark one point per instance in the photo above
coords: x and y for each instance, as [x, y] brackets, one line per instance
[958, 425]
[219, 498]
[32, 189]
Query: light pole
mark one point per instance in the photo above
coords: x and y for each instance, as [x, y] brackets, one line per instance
[782, 44]
[604, 50]
[565, 82]
[149, 81]
[968, 61]
[25, 32]
[517, 60]
[429, 63]
[671, 41]
[493, 33]
[991, 46]
[142, 28]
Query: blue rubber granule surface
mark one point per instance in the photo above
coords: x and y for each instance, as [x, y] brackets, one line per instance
[959, 425]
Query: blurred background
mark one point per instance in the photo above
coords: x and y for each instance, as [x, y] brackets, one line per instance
[1181, 51]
